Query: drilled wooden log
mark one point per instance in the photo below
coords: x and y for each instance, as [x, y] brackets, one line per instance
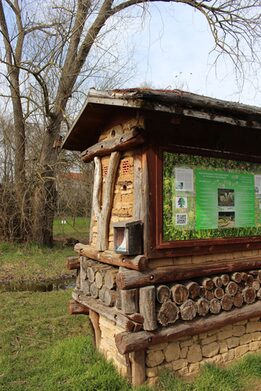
[256, 285]
[188, 310]
[73, 263]
[147, 307]
[193, 289]
[163, 293]
[202, 306]
[129, 301]
[226, 302]
[94, 290]
[209, 295]
[214, 306]
[217, 281]
[236, 277]
[225, 279]
[238, 300]
[249, 295]
[109, 297]
[179, 293]
[207, 283]
[231, 288]
[75, 308]
[110, 278]
[168, 313]
[219, 293]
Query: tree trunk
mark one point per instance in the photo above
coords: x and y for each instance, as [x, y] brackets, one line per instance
[45, 196]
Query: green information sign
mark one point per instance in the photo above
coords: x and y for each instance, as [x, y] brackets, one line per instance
[205, 197]
[224, 200]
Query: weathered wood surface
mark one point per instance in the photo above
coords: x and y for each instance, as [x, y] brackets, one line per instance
[73, 263]
[129, 301]
[238, 300]
[138, 262]
[138, 373]
[214, 306]
[102, 210]
[75, 308]
[168, 313]
[179, 293]
[111, 313]
[188, 310]
[122, 142]
[218, 281]
[127, 279]
[129, 342]
[249, 295]
[110, 278]
[147, 307]
[202, 306]
[162, 293]
[226, 302]
[94, 318]
[193, 289]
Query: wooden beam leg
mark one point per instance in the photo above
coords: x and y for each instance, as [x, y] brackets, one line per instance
[94, 318]
[138, 371]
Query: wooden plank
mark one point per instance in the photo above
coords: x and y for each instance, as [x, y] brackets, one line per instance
[138, 262]
[94, 318]
[127, 279]
[147, 307]
[130, 342]
[122, 142]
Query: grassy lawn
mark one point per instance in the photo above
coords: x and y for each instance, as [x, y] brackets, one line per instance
[23, 262]
[77, 228]
[43, 348]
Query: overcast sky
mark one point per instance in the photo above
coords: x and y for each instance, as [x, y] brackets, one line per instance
[172, 51]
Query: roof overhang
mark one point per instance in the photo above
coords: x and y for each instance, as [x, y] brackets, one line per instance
[101, 105]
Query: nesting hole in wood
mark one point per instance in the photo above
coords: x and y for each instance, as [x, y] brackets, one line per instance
[113, 133]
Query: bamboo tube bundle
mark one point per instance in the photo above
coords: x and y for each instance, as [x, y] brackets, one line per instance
[231, 288]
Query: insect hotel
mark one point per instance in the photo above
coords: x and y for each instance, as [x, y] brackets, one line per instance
[171, 275]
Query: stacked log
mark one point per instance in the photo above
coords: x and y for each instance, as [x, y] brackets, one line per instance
[164, 304]
[98, 281]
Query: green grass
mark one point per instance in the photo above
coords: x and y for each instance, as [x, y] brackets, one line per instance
[77, 228]
[23, 262]
[43, 348]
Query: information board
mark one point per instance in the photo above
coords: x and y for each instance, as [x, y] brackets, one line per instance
[209, 197]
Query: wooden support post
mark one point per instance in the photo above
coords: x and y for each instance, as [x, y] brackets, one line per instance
[138, 369]
[94, 318]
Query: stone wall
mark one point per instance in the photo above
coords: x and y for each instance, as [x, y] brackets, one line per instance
[187, 355]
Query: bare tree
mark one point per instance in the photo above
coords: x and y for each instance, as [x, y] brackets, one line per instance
[50, 52]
